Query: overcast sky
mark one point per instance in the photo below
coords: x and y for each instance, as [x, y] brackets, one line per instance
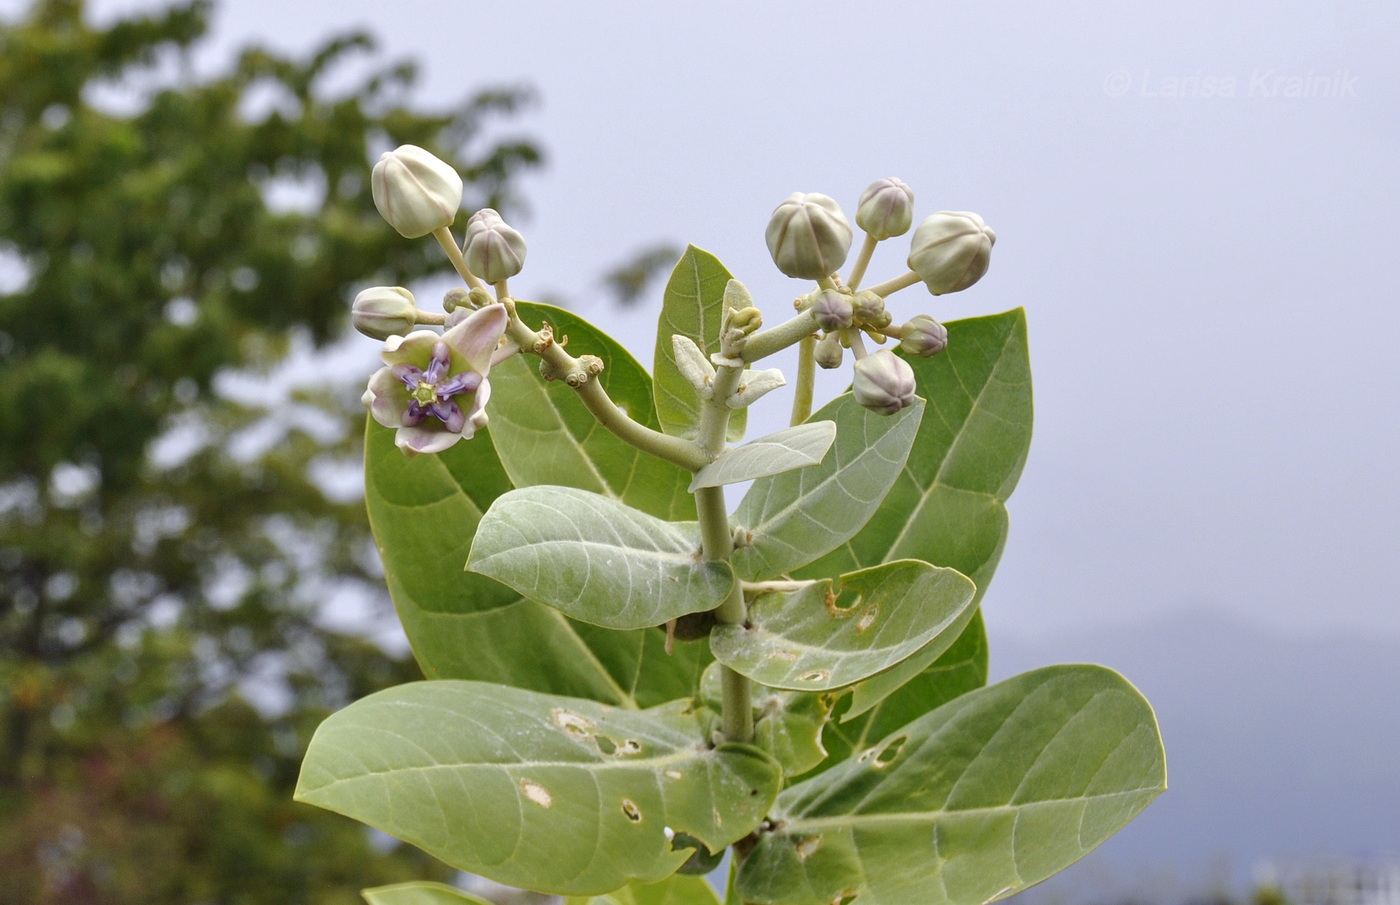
[1209, 263]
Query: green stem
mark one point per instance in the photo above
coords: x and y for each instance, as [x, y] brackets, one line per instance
[775, 339]
[806, 378]
[889, 287]
[862, 262]
[454, 254]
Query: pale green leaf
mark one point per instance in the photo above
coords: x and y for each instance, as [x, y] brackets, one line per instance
[676, 889]
[424, 512]
[596, 559]
[979, 799]
[545, 435]
[787, 724]
[797, 516]
[948, 505]
[692, 306]
[555, 794]
[788, 449]
[819, 638]
[419, 893]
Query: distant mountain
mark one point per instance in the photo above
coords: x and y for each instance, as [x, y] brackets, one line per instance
[1277, 746]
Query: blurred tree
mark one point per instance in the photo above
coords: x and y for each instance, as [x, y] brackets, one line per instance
[160, 565]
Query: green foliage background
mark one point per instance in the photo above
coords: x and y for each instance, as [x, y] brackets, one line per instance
[137, 598]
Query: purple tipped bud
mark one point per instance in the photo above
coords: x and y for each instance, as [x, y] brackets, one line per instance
[415, 191]
[884, 382]
[829, 352]
[923, 336]
[886, 209]
[951, 250]
[493, 251]
[808, 236]
[832, 310]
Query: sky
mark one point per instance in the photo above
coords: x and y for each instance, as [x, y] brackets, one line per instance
[1208, 262]
[1195, 202]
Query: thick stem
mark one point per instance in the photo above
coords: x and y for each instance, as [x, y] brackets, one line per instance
[862, 262]
[775, 339]
[684, 453]
[806, 379]
[889, 287]
[454, 254]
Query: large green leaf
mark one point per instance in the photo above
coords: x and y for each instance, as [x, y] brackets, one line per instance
[550, 793]
[419, 893]
[786, 450]
[823, 637]
[545, 435]
[596, 559]
[677, 889]
[424, 512]
[692, 306]
[948, 505]
[979, 799]
[797, 516]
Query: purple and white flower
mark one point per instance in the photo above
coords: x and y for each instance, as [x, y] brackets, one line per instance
[433, 387]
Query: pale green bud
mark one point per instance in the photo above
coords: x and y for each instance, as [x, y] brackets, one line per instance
[829, 352]
[808, 236]
[415, 191]
[832, 310]
[923, 336]
[384, 311]
[493, 250]
[870, 309]
[886, 209]
[455, 298]
[883, 383]
[951, 250]
[744, 320]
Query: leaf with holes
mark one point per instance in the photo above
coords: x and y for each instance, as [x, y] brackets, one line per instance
[948, 506]
[595, 559]
[545, 435]
[817, 639]
[787, 450]
[555, 794]
[424, 512]
[979, 799]
[797, 516]
[419, 893]
[692, 306]
[674, 890]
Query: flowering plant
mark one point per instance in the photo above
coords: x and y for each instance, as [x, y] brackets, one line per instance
[628, 679]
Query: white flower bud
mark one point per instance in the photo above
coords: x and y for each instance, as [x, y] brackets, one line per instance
[923, 336]
[829, 352]
[753, 385]
[808, 236]
[832, 310]
[384, 311]
[884, 382]
[886, 209]
[415, 191]
[951, 250]
[493, 250]
[693, 364]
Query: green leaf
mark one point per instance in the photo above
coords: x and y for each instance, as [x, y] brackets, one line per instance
[818, 638]
[596, 559]
[977, 800]
[948, 505]
[555, 794]
[545, 435]
[424, 512]
[787, 450]
[419, 893]
[787, 724]
[674, 890]
[797, 516]
[692, 306]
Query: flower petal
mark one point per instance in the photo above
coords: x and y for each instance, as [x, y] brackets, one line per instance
[415, 349]
[415, 440]
[386, 398]
[449, 413]
[476, 338]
